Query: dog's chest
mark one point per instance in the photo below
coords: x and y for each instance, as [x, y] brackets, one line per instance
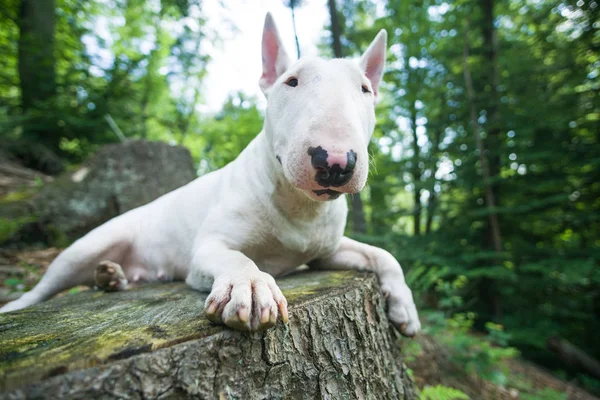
[279, 249]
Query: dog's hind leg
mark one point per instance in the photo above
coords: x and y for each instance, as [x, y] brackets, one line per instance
[110, 277]
[77, 264]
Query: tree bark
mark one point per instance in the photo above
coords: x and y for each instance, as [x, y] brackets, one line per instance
[154, 342]
[431, 204]
[357, 209]
[488, 287]
[493, 146]
[293, 6]
[37, 70]
[336, 30]
[415, 170]
[574, 356]
[357, 214]
[432, 201]
[485, 171]
[493, 131]
[186, 119]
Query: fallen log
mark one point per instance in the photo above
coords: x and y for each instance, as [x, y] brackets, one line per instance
[574, 356]
[153, 342]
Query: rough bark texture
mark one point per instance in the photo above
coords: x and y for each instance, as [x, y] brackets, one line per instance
[153, 342]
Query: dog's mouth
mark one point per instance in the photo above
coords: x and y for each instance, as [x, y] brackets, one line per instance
[333, 194]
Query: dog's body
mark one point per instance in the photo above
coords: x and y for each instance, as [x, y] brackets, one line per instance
[264, 214]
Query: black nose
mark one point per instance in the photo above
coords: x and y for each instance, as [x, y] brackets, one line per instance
[331, 175]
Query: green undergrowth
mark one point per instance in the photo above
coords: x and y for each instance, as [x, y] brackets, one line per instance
[544, 394]
[441, 392]
[476, 356]
[22, 195]
[483, 355]
[10, 226]
[15, 212]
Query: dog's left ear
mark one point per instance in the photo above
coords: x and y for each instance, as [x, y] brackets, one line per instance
[372, 61]
[275, 60]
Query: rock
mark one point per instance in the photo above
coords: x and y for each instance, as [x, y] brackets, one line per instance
[154, 342]
[33, 155]
[118, 178]
[16, 177]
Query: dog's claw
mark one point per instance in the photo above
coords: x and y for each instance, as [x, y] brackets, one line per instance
[247, 303]
[265, 316]
[284, 312]
[243, 315]
[212, 307]
[402, 329]
[405, 330]
[109, 276]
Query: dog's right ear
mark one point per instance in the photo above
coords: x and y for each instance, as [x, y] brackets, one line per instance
[275, 60]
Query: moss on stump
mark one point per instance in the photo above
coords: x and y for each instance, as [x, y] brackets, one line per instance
[153, 343]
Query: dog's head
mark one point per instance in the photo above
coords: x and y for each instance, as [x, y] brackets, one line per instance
[320, 115]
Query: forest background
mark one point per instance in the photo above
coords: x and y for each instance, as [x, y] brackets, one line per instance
[485, 178]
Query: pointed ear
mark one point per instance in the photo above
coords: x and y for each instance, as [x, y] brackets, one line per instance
[275, 60]
[372, 61]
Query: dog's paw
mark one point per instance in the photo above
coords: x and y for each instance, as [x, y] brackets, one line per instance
[249, 303]
[109, 276]
[401, 306]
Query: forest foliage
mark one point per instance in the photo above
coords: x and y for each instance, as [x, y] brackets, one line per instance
[485, 178]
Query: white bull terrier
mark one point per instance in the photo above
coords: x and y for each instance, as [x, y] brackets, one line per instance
[279, 205]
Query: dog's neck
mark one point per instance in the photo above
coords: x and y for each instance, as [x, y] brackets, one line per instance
[288, 199]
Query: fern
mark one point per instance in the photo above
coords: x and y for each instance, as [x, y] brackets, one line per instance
[440, 392]
[546, 394]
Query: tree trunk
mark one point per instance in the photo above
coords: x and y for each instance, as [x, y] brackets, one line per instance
[292, 6]
[493, 147]
[431, 204]
[336, 31]
[154, 342]
[416, 171]
[357, 214]
[487, 286]
[36, 71]
[357, 209]
[432, 201]
[493, 131]
[485, 171]
[186, 119]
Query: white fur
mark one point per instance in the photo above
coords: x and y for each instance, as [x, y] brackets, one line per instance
[236, 228]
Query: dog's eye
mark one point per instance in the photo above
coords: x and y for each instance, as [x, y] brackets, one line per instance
[293, 82]
[365, 89]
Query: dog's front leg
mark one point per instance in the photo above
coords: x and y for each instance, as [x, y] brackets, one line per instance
[242, 296]
[355, 255]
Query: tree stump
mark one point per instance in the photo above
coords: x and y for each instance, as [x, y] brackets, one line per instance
[153, 342]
